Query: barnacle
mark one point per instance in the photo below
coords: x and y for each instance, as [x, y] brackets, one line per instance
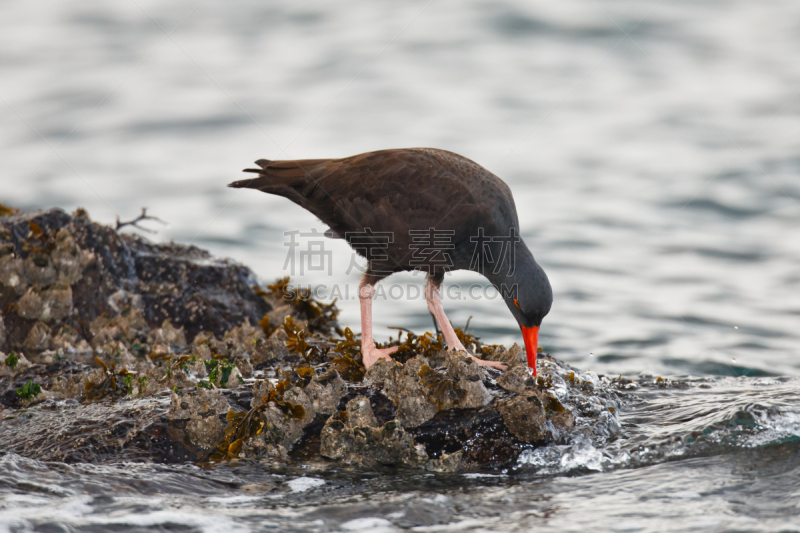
[443, 390]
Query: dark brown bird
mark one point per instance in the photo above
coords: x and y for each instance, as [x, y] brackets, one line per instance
[418, 209]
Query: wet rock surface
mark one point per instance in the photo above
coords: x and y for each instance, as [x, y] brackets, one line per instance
[116, 349]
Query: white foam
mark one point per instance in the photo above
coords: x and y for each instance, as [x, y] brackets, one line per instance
[233, 499]
[371, 525]
[302, 484]
[580, 455]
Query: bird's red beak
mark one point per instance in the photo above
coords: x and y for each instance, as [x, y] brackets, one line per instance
[531, 336]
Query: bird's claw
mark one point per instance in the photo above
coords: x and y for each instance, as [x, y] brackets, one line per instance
[494, 364]
[371, 354]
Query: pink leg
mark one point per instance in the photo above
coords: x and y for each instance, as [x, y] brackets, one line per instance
[369, 353]
[436, 309]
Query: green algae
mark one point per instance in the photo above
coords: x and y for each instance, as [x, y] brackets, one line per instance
[12, 360]
[30, 390]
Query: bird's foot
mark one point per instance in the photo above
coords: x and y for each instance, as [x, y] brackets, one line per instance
[371, 354]
[456, 345]
[494, 364]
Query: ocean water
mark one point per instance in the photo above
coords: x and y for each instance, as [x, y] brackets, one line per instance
[653, 151]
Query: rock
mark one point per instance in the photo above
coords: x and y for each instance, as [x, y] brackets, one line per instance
[167, 334]
[524, 415]
[359, 413]
[11, 271]
[241, 341]
[129, 325]
[403, 385]
[419, 392]
[13, 363]
[266, 351]
[39, 269]
[38, 338]
[466, 374]
[377, 374]
[517, 379]
[205, 429]
[360, 440]
[513, 357]
[69, 259]
[46, 305]
[65, 339]
[326, 390]
[447, 463]
[107, 271]
[148, 348]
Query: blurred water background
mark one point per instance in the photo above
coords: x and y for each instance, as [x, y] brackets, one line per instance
[653, 148]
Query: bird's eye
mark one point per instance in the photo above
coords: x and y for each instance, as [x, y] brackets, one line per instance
[517, 303]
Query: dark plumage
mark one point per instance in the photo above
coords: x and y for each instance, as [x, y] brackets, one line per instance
[394, 191]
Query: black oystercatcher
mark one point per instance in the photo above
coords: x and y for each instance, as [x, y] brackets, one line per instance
[418, 209]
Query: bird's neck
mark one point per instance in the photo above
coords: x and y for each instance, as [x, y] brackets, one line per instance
[517, 268]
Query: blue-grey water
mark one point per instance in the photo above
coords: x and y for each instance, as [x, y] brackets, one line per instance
[653, 149]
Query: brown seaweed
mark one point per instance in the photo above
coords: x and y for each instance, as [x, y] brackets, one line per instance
[244, 425]
[114, 383]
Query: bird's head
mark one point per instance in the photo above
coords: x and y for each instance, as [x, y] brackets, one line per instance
[528, 295]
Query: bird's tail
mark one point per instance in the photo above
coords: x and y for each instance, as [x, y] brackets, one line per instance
[295, 180]
[256, 182]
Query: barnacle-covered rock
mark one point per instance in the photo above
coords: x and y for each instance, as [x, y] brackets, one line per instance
[357, 438]
[241, 341]
[67, 387]
[167, 335]
[186, 406]
[128, 325]
[446, 463]
[419, 391]
[46, 305]
[13, 363]
[38, 338]
[65, 339]
[205, 345]
[205, 429]
[513, 357]
[223, 373]
[169, 319]
[266, 351]
[326, 390]
[11, 270]
[456, 370]
[39, 269]
[517, 379]
[524, 415]
[285, 419]
[403, 385]
[69, 259]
